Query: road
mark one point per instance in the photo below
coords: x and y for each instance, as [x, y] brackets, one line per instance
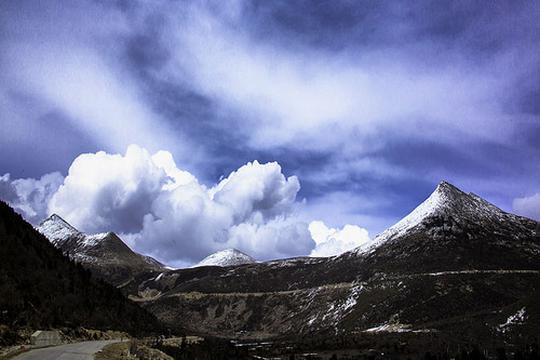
[77, 351]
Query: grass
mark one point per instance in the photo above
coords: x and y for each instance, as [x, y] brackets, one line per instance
[114, 351]
[130, 350]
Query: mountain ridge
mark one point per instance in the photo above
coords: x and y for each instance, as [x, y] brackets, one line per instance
[444, 253]
[41, 288]
[105, 254]
[451, 258]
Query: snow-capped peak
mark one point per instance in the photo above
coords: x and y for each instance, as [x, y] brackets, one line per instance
[434, 203]
[446, 199]
[57, 229]
[227, 257]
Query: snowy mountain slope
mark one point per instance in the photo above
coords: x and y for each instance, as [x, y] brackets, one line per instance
[57, 230]
[68, 238]
[227, 257]
[446, 201]
[104, 253]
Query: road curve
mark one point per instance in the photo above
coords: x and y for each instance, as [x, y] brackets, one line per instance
[77, 351]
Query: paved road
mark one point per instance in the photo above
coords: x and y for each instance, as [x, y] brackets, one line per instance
[78, 351]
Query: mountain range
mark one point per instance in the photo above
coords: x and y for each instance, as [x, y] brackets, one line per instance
[456, 267]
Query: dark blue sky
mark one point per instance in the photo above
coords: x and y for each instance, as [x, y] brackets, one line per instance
[369, 103]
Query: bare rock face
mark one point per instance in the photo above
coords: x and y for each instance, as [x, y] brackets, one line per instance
[456, 265]
[105, 254]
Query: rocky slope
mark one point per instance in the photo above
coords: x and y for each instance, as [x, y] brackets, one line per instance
[227, 257]
[456, 265]
[105, 254]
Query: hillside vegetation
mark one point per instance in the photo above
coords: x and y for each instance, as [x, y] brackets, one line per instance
[41, 288]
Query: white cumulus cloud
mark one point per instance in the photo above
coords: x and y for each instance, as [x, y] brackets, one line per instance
[165, 211]
[257, 191]
[282, 237]
[251, 209]
[331, 241]
[109, 192]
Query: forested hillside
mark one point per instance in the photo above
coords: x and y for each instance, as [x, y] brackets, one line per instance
[40, 287]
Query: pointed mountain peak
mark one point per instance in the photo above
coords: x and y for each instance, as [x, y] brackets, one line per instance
[227, 257]
[58, 220]
[448, 191]
[446, 200]
[461, 204]
[56, 229]
[450, 200]
[445, 186]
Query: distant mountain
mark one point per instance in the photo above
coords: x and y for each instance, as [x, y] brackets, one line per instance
[105, 254]
[227, 257]
[40, 287]
[457, 266]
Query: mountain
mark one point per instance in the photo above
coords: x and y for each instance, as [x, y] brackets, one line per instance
[454, 230]
[41, 288]
[456, 266]
[227, 257]
[105, 254]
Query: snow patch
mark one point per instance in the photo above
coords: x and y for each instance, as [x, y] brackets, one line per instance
[518, 318]
[338, 310]
[93, 240]
[159, 277]
[396, 328]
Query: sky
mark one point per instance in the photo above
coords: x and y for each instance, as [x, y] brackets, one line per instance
[281, 128]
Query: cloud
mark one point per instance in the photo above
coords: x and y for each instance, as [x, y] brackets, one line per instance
[165, 211]
[30, 196]
[528, 206]
[330, 241]
[293, 97]
[281, 237]
[251, 209]
[354, 103]
[104, 191]
[102, 102]
[257, 192]
[71, 67]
